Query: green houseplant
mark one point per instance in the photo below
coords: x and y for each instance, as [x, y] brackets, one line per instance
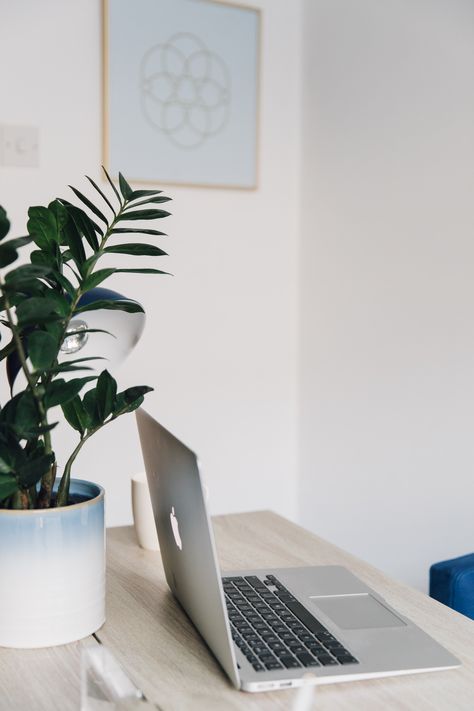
[38, 302]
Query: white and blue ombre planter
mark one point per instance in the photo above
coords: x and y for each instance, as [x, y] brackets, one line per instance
[52, 571]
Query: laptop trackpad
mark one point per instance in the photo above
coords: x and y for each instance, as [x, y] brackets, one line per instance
[356, 612]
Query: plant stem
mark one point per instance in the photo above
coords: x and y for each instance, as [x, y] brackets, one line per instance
[63, 491]
[44, 500]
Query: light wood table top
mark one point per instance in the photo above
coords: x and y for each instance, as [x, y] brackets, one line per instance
[164, 655]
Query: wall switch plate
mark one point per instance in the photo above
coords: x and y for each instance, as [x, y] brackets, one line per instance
[19, 146]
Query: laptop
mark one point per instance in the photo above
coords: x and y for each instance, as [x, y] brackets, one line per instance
[272, 628]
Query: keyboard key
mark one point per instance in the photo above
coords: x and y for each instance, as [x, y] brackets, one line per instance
[347, 659]
[306, 617]
[253, 580]
[333, 644]
[326, 660]
[258, 667]
[281, 652]
[267, 658]
[290, 662]
[273, 665]
[340, 652]
[307, 660]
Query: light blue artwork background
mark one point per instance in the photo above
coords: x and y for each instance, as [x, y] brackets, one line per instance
[141, 151]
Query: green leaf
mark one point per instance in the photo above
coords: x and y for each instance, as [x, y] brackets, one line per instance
[31, 471]
[136, 249]
[43, 227]
[7, 255]
[103, 196]
[18, 242]
[143, 214]
[61, 217]
[76, 415]
[89, 402]
[129, 399]
[106, 391]
[42, 349]
[130, 307]
[130, 394]
[97, 278]
[91, 330]
[90, 205]
[63, 303]
[141, 271]
[65, 284]
[85, 225]
[111, 183]
[154, 200]
[4, 223]
[8, 485]
[21, 414]
[35, 310]
[25, 274]
[6, 350]
[125, 188]
[61, 391]
[74, 242]
[67, 368]
[143, 193]
[125, 230]
[71, 365]
[5, 460]
[37, 256]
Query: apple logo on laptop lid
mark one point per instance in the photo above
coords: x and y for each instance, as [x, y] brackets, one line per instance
[175, 529]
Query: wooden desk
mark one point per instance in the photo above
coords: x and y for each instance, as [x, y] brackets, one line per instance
[164, 655]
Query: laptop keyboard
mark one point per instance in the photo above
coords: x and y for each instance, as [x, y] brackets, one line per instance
[275, 631]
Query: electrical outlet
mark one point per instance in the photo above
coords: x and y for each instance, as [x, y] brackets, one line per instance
[19, 146]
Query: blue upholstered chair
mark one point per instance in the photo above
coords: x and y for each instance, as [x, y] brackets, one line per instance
[452, 583]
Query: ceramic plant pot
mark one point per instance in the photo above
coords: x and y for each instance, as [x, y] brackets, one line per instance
[52, 571]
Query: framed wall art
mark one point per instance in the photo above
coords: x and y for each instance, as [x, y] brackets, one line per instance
[181, 91]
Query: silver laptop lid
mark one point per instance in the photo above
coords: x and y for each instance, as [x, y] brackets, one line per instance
[186, 537]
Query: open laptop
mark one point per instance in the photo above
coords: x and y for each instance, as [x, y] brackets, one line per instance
[272, 628]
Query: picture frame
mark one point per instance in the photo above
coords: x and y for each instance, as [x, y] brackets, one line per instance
[181, 85]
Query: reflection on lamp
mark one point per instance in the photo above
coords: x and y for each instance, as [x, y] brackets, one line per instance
[123, 333]
[125, 329]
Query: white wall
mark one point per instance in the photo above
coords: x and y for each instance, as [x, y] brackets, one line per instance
[220, 343]
[387, 337]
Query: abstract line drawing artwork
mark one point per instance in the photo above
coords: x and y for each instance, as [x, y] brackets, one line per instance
[185, 90]
[181, 85]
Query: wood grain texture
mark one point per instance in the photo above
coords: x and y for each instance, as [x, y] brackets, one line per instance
[41, 679]
[164, 655]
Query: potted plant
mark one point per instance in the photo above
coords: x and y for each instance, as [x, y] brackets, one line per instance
[52, 527]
